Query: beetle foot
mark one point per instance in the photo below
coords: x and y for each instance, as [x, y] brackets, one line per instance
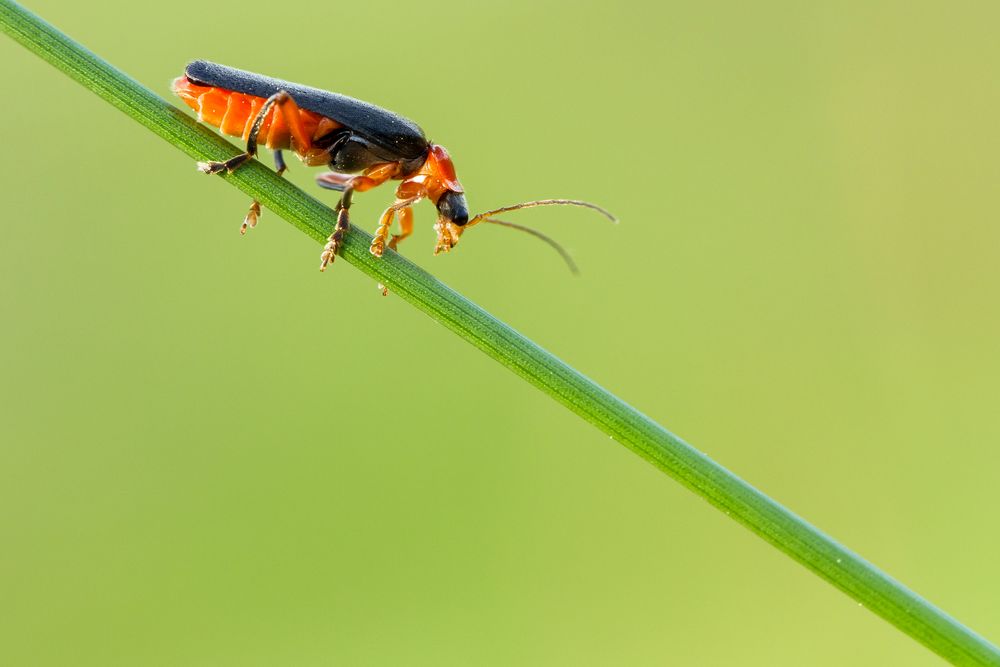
[250, 221]
[329, 254]
[335, 240]
[211, 167]
[229, 165]
[378, 243]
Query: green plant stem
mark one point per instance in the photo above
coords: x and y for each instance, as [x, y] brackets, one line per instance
[765, 517]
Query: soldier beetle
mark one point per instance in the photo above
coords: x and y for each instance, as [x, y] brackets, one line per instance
[362, 144]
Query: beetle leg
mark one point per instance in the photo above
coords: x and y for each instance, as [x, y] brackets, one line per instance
[251, 218]
[405, 227]
[331, 180]
[302, 143]
[234, 163]
[279, 163]
[382, 233]
[253, 215]
[372, 178]
[335, 239]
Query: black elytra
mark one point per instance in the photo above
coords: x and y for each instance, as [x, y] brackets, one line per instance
[390, 136]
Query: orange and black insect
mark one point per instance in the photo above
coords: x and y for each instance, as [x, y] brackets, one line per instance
[362, 144]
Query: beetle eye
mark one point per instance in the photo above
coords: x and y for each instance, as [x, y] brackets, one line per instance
[452, 207]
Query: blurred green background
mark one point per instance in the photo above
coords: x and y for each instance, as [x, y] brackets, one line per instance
[214, 455]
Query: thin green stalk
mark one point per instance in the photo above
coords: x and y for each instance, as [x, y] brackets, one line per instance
[778, 526]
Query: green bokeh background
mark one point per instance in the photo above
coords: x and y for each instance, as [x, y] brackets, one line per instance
[213, 455]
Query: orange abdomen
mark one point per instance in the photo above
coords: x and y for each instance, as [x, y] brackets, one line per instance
[233, 113]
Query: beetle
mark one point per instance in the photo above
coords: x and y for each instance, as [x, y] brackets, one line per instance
[363, 145]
